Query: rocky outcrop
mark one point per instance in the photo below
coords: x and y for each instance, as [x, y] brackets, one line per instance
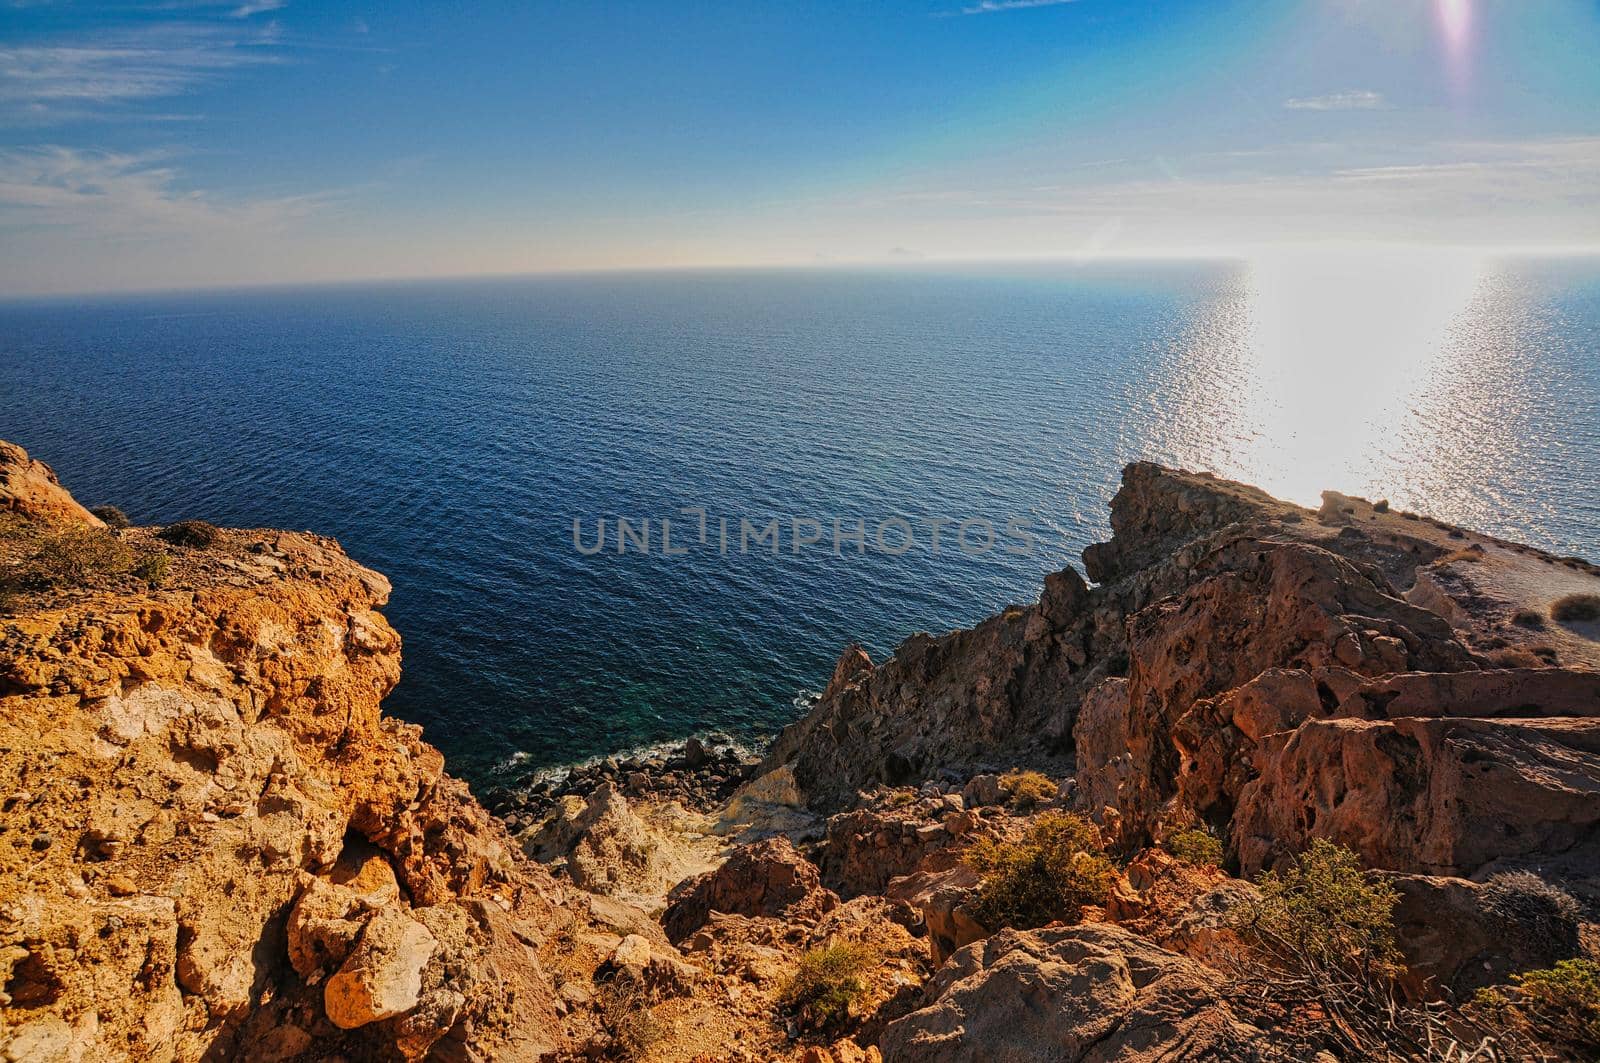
[1088, 993]
[29, 489]
[214, 843]
[1276, 672]
[765, 879]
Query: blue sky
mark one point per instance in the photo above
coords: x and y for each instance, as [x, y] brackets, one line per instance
[184, 143]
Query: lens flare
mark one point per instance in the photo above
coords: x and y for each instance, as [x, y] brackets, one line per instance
[1455, 23]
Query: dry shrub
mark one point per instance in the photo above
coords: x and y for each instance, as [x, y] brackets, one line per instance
[1027, 789]
[1056, 869]
[113, 517]
[195, 533]
[624, 1009]
[1576, 609]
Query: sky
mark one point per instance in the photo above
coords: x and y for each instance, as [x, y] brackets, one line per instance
[182, 143]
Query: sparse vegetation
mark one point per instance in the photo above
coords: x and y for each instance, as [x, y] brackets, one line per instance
[1326, 916]
[73, 558]
[152, 568]
[193, 533]
[624, 1009]
[113, 516]
[1529, 619]
[1560, 1005]
[1027, 789]
[1052, 873]
[1544, 914]
[1325, 939]
[1196, 846]
[828, 984]
[1576, 609]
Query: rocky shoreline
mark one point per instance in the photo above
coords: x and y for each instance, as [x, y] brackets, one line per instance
[1271, 783]
[701, 773]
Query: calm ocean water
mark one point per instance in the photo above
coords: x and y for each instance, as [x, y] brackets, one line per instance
[450, 432]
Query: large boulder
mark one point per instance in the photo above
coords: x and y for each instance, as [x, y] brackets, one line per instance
[382, 976]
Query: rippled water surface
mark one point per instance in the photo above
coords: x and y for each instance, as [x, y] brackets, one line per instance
[449, 434]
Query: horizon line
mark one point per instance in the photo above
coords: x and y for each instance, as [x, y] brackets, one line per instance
[905, 262]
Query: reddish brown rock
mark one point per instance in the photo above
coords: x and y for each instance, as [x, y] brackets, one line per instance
[766, 878]
[1444, 796]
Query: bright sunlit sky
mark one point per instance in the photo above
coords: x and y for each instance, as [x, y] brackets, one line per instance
[187, 143]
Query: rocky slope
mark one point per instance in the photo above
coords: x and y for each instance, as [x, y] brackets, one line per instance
[213, 845]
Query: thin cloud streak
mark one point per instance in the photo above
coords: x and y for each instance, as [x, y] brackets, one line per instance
[1355, 100]
[991, 7]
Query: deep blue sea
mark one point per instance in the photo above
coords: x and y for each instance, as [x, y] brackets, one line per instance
[449, 434]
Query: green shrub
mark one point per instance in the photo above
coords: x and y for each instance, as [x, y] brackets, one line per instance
[1560, 1004]
[1026, 789]
[828, 984]
[1056, 869]
[1325, 914]
[152, 568]
[1196, 846]
[74, 557]
[113, 516]
[195, 533]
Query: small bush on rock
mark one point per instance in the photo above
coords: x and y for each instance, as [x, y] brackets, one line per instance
[1544, 914]
[1576, 609]
[113, 516]
[1026, 789]
[828, 983]
[195, 533]
[1196, 846]
[1326, 915]
[624, 1009]
[1052, 873]
[1560, 1005]
[152, 568]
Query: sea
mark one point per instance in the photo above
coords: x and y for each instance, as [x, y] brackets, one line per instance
[619, 509]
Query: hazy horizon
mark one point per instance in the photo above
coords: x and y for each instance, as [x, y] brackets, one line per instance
[187, 144]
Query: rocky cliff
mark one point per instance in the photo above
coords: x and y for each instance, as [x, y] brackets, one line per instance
[213, 845]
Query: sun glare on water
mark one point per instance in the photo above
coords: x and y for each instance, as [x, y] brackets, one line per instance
[1342, 349]
[1363, 372]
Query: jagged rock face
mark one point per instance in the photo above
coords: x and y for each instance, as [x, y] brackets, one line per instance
[950, 701]
[1278, 673]
[182, 768]
[1087, 993]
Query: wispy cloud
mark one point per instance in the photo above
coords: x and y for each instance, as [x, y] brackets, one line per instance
[256, 7]
[1354, 100]
[118, 194]
[990, 7]
[49, 82]
[1537, 191]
